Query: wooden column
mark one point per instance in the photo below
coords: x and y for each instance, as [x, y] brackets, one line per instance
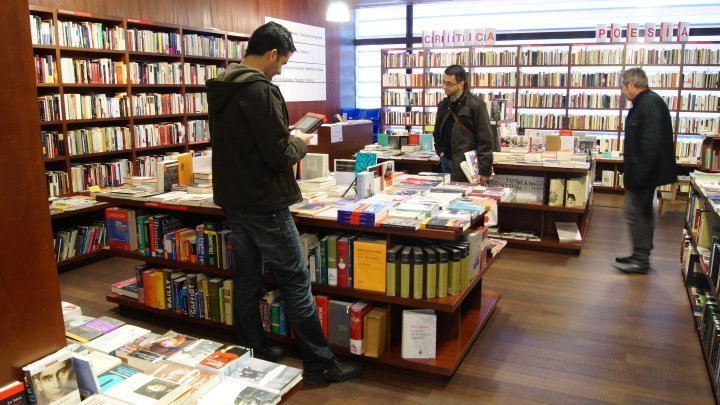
[31, 320]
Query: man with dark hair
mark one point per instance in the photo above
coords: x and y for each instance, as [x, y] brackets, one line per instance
[648, 162]
[253, 182]
[462, 124]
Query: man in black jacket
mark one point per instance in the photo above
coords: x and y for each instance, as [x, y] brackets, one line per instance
[649, 161]
[462, 124]
[253, 181]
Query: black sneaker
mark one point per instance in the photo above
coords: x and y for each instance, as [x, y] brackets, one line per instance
[337, 371]
[274, 354]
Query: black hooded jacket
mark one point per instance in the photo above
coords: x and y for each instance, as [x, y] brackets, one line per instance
[253, 151]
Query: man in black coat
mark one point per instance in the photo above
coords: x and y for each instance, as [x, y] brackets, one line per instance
[253, 182]
[649, 161]
[462, 125]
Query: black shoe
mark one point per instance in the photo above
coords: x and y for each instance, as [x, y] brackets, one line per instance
[633, 268]
[337, 371]
[624, 260]
[274, 354]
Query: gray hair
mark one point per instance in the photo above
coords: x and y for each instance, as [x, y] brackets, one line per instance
[636, 76]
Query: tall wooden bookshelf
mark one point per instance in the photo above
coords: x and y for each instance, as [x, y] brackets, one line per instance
[559, 86]
[153, 51]
[460, 317]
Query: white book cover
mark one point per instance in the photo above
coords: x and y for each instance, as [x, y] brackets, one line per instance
[314, 165]
[119, 337]
[556, 192]
[223, 394]
[419, 334]
[193, 354]
[52, 379]
[568, 232]
[528, 189]
[273, 377]
[143, 389]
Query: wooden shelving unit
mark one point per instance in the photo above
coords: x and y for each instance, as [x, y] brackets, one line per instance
[541, 218]
[460, 317]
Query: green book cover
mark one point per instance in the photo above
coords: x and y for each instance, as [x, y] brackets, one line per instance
[275, 317]
[221, 302]
[454, 256]
[418, 278]
[143, 242]
[324, 260]
[214, 287]
[393, 271]
[442, 275]
[211, 244]
[405, 272]
[332, 275]
[430, 273]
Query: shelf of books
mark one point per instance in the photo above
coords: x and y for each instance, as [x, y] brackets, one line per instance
[399, 275]
[700, 269]
[115, 92]
[563, 86]
[551, 208]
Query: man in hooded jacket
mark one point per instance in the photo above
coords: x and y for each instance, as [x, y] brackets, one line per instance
[253, 182]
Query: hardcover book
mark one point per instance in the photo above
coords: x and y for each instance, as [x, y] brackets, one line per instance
[52, 380]
[419, 334]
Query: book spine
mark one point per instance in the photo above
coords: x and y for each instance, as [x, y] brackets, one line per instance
[342, 263]
[227, 301]
[431, 280]
[405, 276]
[321, 302]
[442, 283]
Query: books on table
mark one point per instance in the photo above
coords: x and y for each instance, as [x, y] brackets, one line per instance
[264, 375]
[52, 380]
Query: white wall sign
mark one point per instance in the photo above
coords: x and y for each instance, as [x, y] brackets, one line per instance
[304, 76]
[653, 32]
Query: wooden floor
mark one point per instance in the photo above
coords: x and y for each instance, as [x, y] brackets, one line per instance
[568, 330]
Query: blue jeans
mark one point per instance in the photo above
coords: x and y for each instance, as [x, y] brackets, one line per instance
[275, 238]
[446, 164]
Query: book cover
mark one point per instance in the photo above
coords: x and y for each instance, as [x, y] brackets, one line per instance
[193, 354]
[94, 329]
[159, 349]
[418, 272]
[442, 276]
[405, 271]
[375, 327]
[392, 271]
[369, 264]
[273, 377]
[121, 228]
[357, 315]
[321, 302]
[430, 273]
[223, 358]
[185, 169]
[419, 334]
[142, 389]
[52, 380]
[556, 194]
[575, 192]
[339, 322]
[13, 394]
[117, 338]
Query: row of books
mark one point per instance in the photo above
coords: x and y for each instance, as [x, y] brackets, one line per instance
[611, 178]
[495, 79]
[694, 125]
[42, 32]
[93, 35]
[53, 144]
[196, 103]
[157, 104]
[188, 294]
[78, 241]
[581, 56]
[45, 71]
[107, 174]
[236, 49]
[93, 71]
[163, 133]
[205, 45]
[92, 106]
[97, 140]
[154, 42]
[409, 117]
[155, 73]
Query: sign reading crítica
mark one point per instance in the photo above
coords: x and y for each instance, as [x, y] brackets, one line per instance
[468, 37]
[651, 33]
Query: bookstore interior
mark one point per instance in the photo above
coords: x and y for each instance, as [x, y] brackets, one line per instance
[432, 282]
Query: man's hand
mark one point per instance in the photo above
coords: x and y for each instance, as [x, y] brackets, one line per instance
[302, 135]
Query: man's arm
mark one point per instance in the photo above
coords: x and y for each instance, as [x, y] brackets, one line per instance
[484, 136]
[264, 112]
[436, 131]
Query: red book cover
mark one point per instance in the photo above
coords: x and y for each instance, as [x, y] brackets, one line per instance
[343, 261]
[566, 132]
[357, 316]
[149, 288]
[118, 229]
[13, 393]
[321, 302]
[414, 139]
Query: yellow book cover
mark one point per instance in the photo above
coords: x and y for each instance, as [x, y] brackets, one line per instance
[185, 169]
[375, 326]
[442, 273]
[160, 289]
[370, 265]
[418, 281]
[405, 272]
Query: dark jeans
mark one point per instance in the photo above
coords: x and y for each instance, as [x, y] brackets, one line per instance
[274, 237]
[641, 220]
[445, 164]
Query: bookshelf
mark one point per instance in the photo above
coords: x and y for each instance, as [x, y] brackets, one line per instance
[150, 77]
[107, 105]
[541, 218]
[561, 86]
[698, 203]
[461, 317]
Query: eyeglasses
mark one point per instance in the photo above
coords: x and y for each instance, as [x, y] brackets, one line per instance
[448, 84]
